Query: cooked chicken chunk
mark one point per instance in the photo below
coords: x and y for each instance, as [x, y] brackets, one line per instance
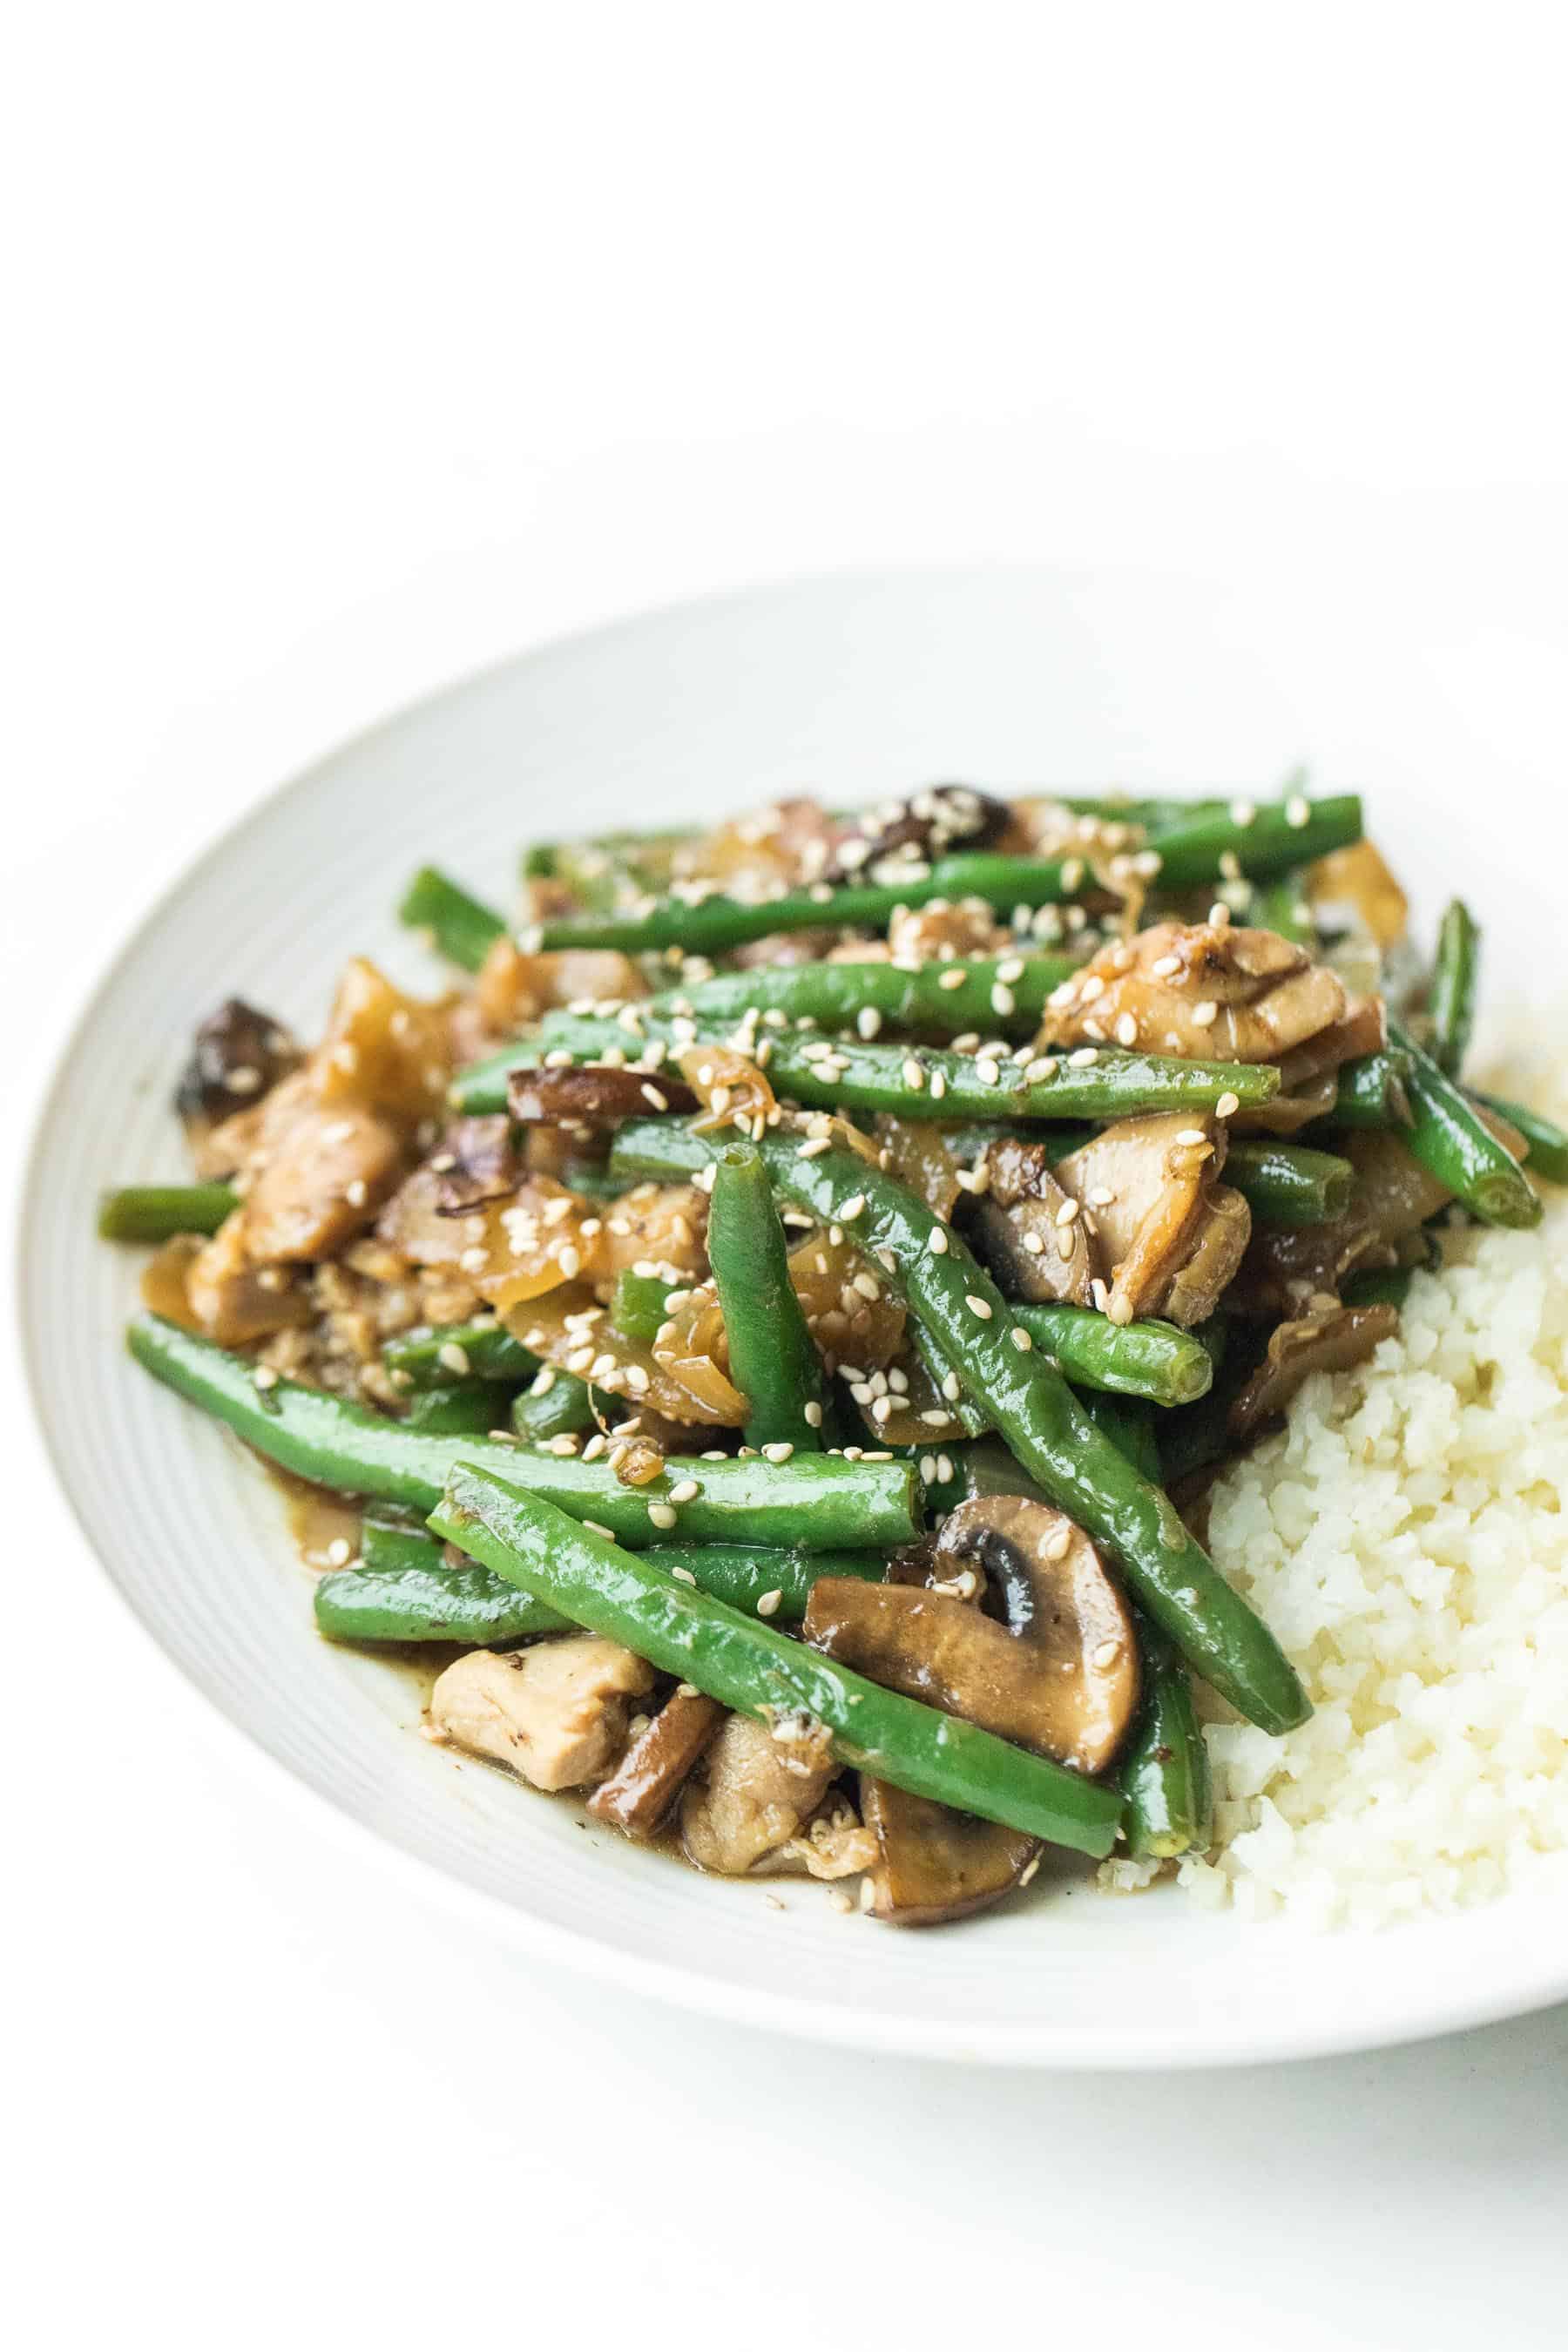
[557, 1713]
[1148, 1186]
[322, 1183]
[758, 1791]
[1208, 991]
[965, 927]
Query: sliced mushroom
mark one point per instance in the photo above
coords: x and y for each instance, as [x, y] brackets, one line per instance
[641, 1792]
[758, 1789]
[592, 1094]
[237, 1056]
[1060, 1674]
[1327, 1342]
[1309, 1077]
[1148, 1186]
[477, 1163]
[919, 830]
[1029, 1230]
[1393, 1197]
[1212, 991]
[934, 1864]
[556, 1714]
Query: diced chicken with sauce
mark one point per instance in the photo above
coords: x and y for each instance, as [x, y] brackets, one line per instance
[557, 1713]
[756, 1792]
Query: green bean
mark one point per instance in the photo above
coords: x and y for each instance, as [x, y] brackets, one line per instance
[1288, 1184]
[1036, 1413]
[1197, 851]
[1452, 1143]
[1387, 1286]
[386, 1547]
[556, 1403]
[1454, 979]
[1372, 1092]
[937, 999]
[463, 930]
[155, 1212]
[1165, 1769]
[468, 1408]
[437, 1354]
[947, 1384]
[917, 1082]
[427, 1601]
[755, 1669]
[418, 1597]
[1282, 906]
[1129, 1422]
[1546, 1145]
[818, 1501]
[1149, 1358]
[638, 1310]
[773, 1358]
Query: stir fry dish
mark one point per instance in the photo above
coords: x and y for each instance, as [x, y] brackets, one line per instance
[771, 1323]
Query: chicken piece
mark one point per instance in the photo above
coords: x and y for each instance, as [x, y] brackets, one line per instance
[666, 1222]
[383, 1051]
[1208, 991]
[758, 1791]
[1019, 1229]
[965, 927]
[832, 1844]
[230, 1297]
[557, 1713]
[514, 988]
[1148, 1186]
[320, 1182]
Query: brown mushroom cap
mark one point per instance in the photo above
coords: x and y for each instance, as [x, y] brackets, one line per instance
[934, 1864]
[591, 1094]
[641, 1791]
[1060, 1675]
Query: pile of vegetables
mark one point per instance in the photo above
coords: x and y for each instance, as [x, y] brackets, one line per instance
[780, 1316]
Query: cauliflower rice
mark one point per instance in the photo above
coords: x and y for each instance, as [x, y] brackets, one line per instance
[1404, 1537]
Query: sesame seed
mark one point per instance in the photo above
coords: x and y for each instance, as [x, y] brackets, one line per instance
[1219, 915]
[815, 1147]
[452, 1357]
[867, 1285]
[988, 1072]
[681, 1575]
[1043, 1067]
[1034, 1245]
[812, 1414]
[1059, 1543]
[768, 1603]
[596, 1446]
[779, 1453]
[686, 1492]
[938, 1086]
[936, 1241]
[1012, 969]
[1101, 1196]
[1099, 1293]
[1298, 810]
[868, 1020]
[981, 1307]
[1126, 1030]
[1191, 1135]
[1227, 1106]
[1165, 967]
[652, 1093]
[1082, 1058]
[1020, 1338]
[853, 1207]
[951, 1387]
[1066, 1212]
[1242, 812]
[914, 1077]
[355, 1193]
[1206, 1014]
[1093, 987]
[570, 1262]
[661, 1514]
[1002, 999]
[1119, 1309]
[882, 1409]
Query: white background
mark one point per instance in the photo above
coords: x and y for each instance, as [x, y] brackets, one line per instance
[350, 347]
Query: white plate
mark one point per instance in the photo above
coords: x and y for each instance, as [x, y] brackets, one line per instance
[852, 686]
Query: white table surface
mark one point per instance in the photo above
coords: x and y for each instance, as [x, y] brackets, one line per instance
[370, 345]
